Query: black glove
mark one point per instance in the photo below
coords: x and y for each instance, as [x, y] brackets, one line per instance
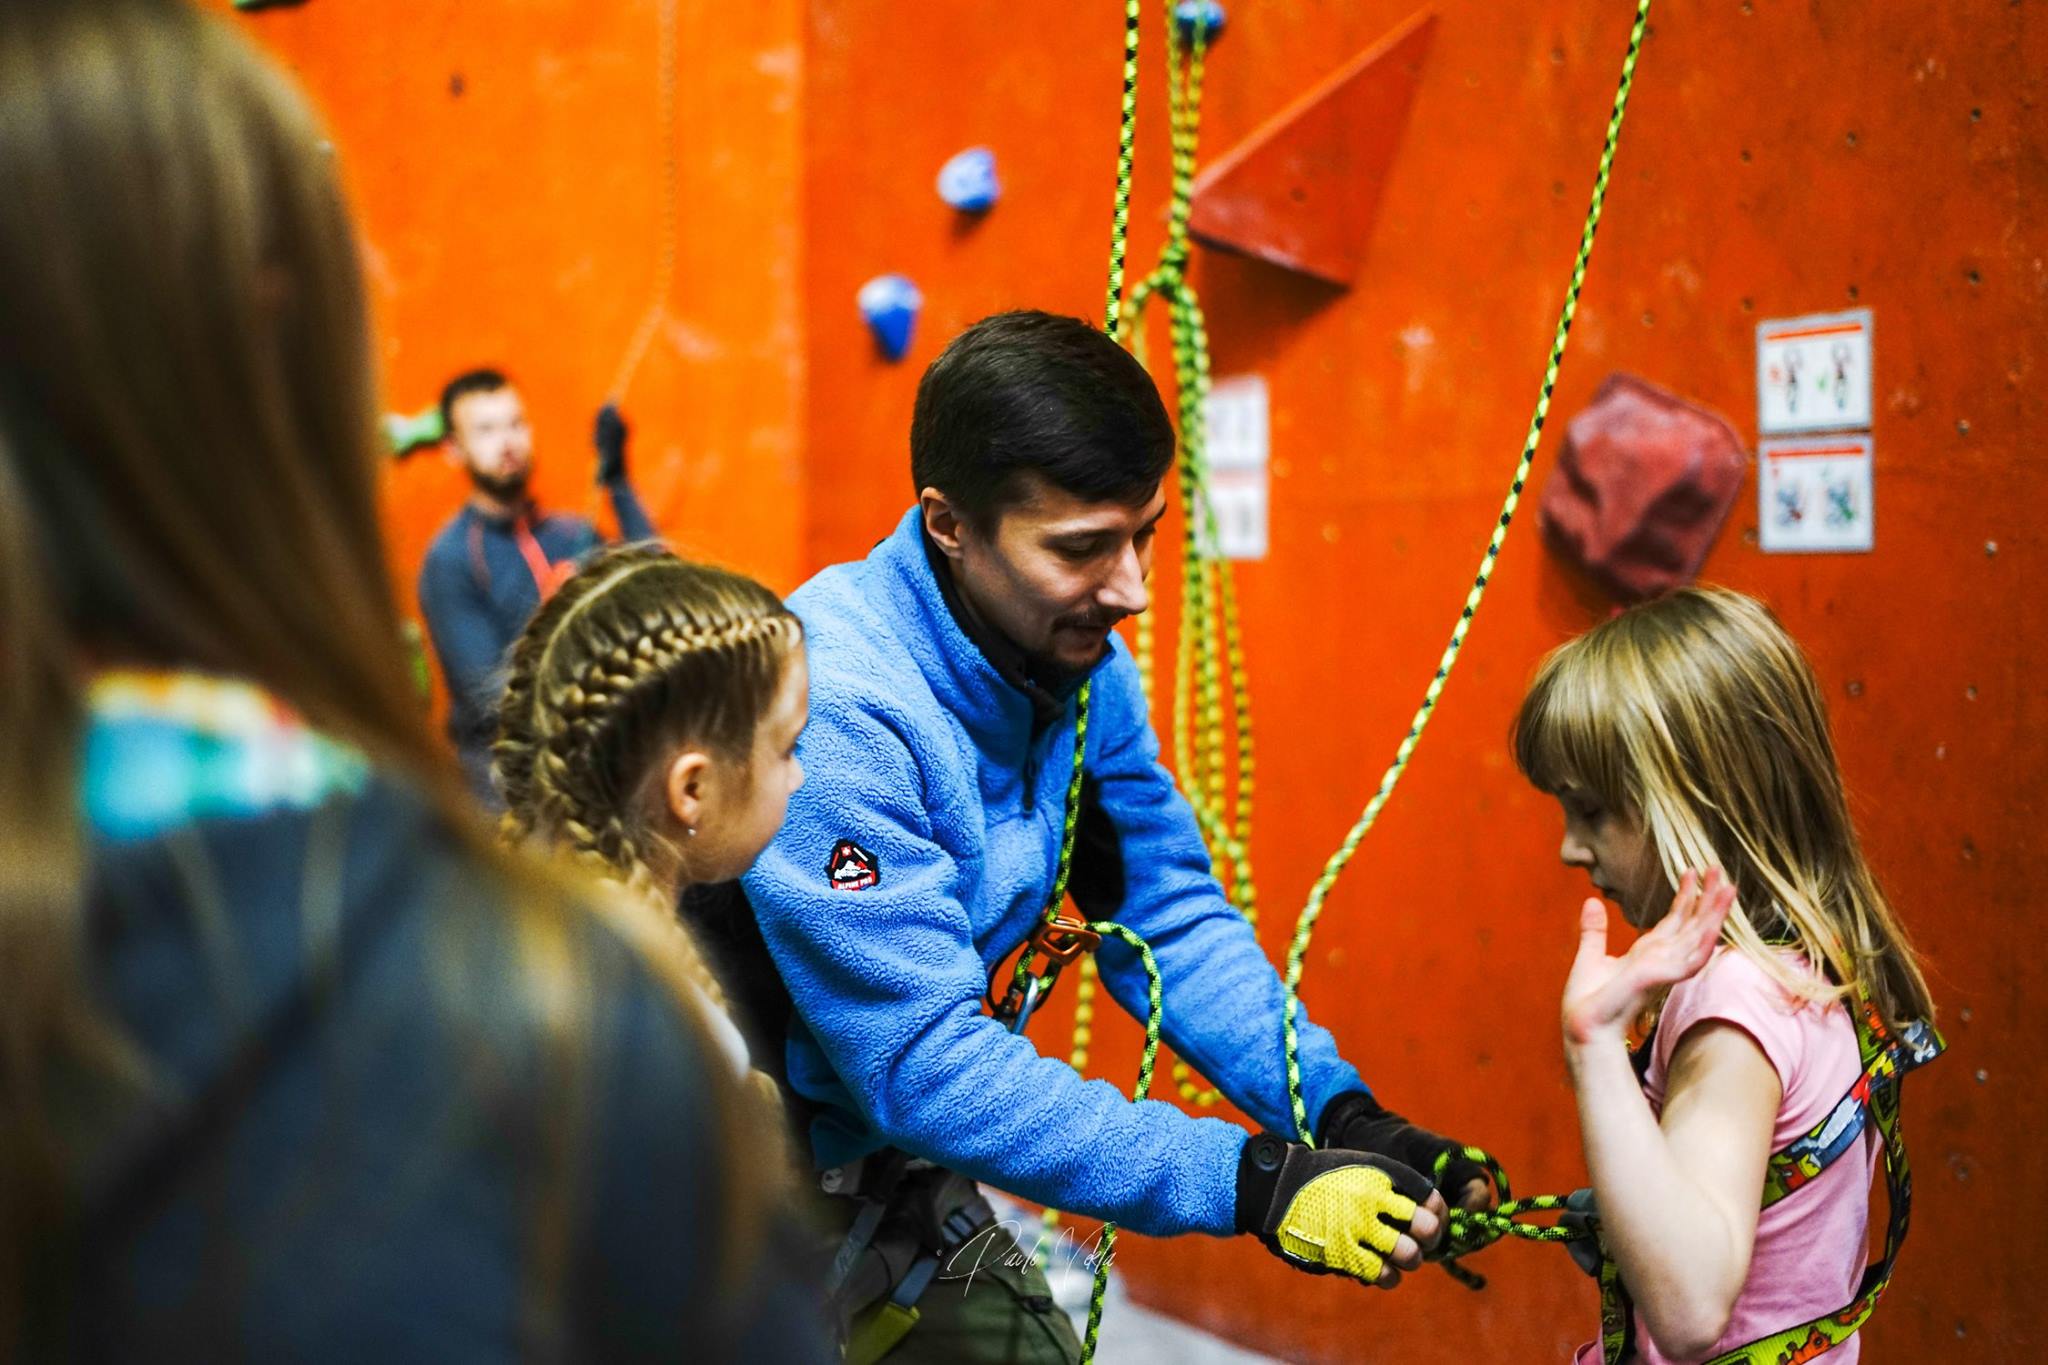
[1327, 1212]
[1354, 1120]
[611, 444]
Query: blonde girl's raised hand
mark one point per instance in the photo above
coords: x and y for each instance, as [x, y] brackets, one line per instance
[1604, 994]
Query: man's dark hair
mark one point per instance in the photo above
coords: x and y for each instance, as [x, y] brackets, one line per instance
[465, 384]
[1029, 393]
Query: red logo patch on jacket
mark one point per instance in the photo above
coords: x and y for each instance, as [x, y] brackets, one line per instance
[851, 867]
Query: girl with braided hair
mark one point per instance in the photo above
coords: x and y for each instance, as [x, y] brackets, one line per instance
[649, 728]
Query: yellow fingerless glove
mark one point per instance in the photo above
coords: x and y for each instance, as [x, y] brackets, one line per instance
[1346, 1220]
[1330, 1212]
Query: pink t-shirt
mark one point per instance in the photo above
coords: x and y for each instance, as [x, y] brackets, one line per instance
[1810, 1245]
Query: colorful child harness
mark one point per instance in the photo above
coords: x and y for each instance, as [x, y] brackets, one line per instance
[1874, 1098]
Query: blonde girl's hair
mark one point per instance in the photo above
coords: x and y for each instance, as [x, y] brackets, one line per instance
[639, 653]
[1697, 715]
[187, 448]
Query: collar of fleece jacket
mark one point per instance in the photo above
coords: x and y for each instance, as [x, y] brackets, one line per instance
[979, 678]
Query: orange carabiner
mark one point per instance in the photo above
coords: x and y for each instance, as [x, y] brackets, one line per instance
[1063, 939]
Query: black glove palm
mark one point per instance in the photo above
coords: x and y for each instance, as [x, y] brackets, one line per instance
[1327, 1212]
[1355, 1121]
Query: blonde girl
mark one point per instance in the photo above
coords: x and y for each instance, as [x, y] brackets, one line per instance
[649, 728]
[1687, 744]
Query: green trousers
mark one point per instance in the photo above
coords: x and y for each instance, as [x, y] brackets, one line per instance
[989, 1303]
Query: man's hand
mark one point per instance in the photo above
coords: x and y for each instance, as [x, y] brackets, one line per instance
[1337, 1212]
[1354, 1120]
[611, 444]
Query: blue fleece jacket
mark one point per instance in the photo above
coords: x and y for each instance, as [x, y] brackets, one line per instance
[477, 593]
[926, 761]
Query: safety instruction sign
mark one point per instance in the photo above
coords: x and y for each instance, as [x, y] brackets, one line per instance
[1813, 373]
[1239, 432]
[1815, 495]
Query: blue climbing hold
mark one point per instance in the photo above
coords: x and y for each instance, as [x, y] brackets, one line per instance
[890, 304]
[968, 181]
[1206, 14]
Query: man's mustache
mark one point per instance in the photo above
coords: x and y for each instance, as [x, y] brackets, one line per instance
[1092, 620]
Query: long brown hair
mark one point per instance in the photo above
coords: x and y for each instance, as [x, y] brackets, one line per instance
[1699, 716]
[640, 652]
[186, 480]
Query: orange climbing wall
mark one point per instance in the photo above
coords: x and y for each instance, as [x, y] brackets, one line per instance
[506, 165]
[1781, 158]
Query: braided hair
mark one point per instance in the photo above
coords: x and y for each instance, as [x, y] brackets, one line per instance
[638, 653]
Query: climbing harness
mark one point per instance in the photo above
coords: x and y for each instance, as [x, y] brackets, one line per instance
[1304, 929]
[943, 1210]
[1872, 1099]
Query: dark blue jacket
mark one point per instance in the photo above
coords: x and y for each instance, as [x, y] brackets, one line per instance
[348, 1141]
[918, 854]
[477, 593]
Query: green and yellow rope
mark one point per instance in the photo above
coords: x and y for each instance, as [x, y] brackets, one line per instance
[1127, 141]
[1297, 952]
[1084, 1002]
[1143, 1089]
[1071, 822]
[1208, 590]
[1470, 1230]
[1222, 806]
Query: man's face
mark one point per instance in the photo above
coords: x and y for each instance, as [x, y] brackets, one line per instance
[1054, 574]
[488, 436]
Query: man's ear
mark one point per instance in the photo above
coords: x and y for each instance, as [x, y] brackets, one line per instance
[683, 788]
[452, 453]
[942, 522]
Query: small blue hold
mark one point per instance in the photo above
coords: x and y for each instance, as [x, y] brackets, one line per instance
[890, 304]
[968, 181]
[1207, 14]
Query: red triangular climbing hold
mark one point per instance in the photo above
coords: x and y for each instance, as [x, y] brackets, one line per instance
[1302, 191]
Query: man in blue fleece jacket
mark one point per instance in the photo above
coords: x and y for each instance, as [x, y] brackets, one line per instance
[918, 855]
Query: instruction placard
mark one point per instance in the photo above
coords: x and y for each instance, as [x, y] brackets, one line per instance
[1239, 442]
[1815, 495]
[1813, 373]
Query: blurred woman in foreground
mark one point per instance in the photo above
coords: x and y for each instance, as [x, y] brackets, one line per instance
[294, 1064]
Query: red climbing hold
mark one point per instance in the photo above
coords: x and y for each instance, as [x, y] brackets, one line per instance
[1641, 488]
[1302, 191]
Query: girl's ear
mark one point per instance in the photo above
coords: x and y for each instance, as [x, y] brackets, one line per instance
[684, 788]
